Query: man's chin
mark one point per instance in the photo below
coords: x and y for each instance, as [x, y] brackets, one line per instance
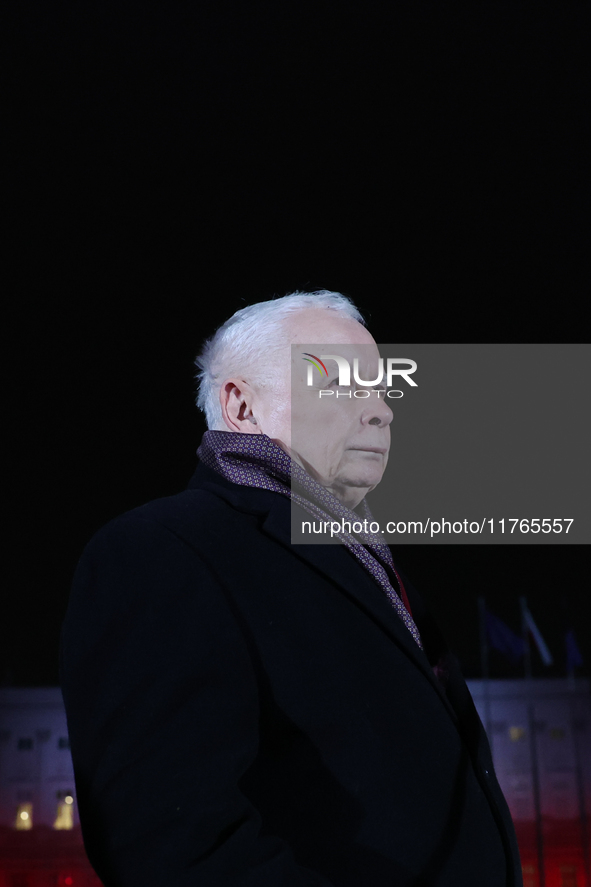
[364, 478]
[358, 486]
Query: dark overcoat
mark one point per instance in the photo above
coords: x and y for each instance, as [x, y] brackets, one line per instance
[244, 711]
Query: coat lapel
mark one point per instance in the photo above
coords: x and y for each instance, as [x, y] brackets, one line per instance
[341, 568]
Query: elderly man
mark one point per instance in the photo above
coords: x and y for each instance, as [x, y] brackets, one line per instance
[246, 711]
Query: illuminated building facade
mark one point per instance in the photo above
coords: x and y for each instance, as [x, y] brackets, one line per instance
[540, 733]
[541, 740]
[40, 838]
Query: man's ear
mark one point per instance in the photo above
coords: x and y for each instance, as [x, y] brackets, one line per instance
[236, 400]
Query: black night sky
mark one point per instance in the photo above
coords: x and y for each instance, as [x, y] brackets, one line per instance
[171, 163]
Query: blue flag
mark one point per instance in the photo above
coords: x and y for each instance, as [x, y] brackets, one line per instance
[573, 654]
[503, 639]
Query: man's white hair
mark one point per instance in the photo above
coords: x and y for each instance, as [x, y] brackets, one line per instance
[249, 342]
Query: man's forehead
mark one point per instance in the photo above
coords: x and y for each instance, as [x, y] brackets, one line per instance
[318, 325]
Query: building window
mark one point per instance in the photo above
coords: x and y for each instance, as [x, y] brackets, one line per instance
[568, 876]
[557, 733]
[64, 817]
[516, 734]
[25, 743]
[63, 742]
[498, 726]
[24, 817]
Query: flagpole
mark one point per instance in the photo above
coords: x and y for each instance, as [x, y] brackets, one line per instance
[525, 633]
[484, 665]
[532, 744]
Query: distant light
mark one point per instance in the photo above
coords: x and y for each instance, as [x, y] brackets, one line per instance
[68, 880]
[68, 799]
[24, 816]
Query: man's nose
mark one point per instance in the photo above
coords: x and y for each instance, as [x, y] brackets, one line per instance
[377, 412]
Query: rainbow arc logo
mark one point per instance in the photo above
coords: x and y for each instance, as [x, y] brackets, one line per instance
[315, 362]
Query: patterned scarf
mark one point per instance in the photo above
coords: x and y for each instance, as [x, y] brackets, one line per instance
[254, 460]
